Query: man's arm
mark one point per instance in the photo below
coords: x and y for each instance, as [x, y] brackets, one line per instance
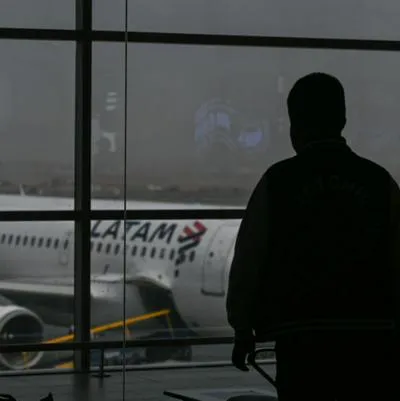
[248, 261]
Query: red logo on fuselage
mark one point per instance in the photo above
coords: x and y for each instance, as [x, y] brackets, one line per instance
[190, 238]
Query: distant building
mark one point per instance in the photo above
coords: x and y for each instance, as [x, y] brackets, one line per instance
[226, 138]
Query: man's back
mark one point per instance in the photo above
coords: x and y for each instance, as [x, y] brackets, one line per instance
[329, 261]
[319, 243]
[328, 245]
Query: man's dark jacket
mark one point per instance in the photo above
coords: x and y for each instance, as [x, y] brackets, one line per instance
[318, 242]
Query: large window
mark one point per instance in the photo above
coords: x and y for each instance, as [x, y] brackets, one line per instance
[125, 167]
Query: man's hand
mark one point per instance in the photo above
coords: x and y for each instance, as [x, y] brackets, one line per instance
[241, 349]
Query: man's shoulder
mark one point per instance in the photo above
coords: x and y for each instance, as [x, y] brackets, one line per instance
[373, 167]
[281, 166]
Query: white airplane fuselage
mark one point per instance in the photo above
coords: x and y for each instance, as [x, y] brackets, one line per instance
[188, 259]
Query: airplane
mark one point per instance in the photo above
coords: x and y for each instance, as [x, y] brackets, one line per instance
[37, 273]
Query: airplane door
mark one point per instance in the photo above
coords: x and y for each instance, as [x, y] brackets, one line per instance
[215, 264]
[66, 248]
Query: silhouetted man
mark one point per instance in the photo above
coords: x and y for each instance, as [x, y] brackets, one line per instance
[318, 245]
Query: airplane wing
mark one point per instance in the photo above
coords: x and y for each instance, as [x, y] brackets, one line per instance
[53, 298]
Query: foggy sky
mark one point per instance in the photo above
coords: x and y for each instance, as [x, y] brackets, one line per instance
[168, 83]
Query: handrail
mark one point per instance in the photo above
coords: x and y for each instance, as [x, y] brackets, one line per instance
[251, 360]
[93, 345]
[268, 336]
[130, 368]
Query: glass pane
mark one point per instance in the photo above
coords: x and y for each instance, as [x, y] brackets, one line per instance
[108, 143]
[56, 14]
[160, 160]
[167, 263]
[36, 290]
[150, 253]
[204, 123]
[37, 122]
[365, 19]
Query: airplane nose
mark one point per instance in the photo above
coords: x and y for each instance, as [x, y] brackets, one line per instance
[199, 289]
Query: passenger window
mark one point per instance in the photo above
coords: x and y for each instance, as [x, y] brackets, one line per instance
[66, 243]
[48, 242]
[25, 243]
[153, 252]
[192, 256]
[162, 253]
[40, 242]
[56, 243]
[144, 250]
[181, 258]
[116, 249]
[10, 238]
[99, 247]
[17, 240]
[108, 248]
[134, 250]
[3, 238]
[172, 254]
[33, 241]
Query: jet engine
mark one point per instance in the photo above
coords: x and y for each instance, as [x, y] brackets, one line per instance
[19, 326]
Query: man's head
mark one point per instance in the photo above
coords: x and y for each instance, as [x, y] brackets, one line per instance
[317, 109]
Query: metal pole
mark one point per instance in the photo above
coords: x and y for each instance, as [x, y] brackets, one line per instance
[83, 111]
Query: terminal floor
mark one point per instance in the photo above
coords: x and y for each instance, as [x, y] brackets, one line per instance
[139, 385]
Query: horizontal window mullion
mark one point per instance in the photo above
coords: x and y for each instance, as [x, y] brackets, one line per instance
[201, 39]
